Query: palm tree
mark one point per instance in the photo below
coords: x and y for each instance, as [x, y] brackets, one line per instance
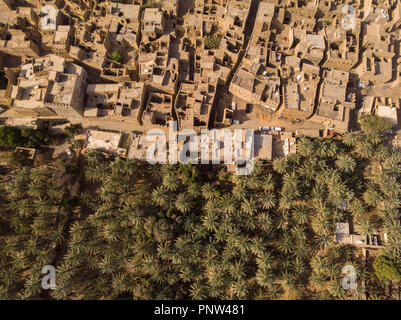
[36, 190]
[268, 183]
[317, 280]
[286, 243]
[324, 241]
[31, 246]
[108, 194]
[260, 294]
[198, 291]
[160, 196]
[374, 137]
[208, 191]
[345, 163]
[239, 241]
[275, 292]
[257, 246]
[212, 206]
[96, 173]
[248, 222]
[170, 182]
[240, 180]
[392, 163]
[38, 176]
[366, 228]
[300, 214]
[53, 191]
[183, 202]
[319, 264]
[286, 200]
[280, 165]
[381, 152]
[240, 192]
[249, 206]
[44, 257]
[332, 176]
[253, 181]
[239, 289]
[299, 232]
[305, 146]
[211, 221]
[195, 190]
[267, 200]
[285, 263]
[264, 277]
[393, 227]
[301, 250]
[335, 288]
[237, 270]
[290, 182]
[41, 207]
[332, 147]
[299, 266]
[22, 207]
[32, 287]
[190, 222]
[308, 168]
[15, 190]
[264, 221]
[356, 208]
[372, 196]
[229, 204]
[321, 226]
[10, 276]
[365, 149]
[39, 226]
[107, 265]
[287, 278]
[283, 219]
[155, 173]
[94, 157]
[350, 139]
[321, 148]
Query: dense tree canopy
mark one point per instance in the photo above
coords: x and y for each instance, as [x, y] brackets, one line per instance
[386, 269]
[212, 41]
[11, 137]
[116, 56]
[115, 228]
[373, 124]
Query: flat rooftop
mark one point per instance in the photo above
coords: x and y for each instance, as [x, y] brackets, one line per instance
[389, 113]
[103, 140]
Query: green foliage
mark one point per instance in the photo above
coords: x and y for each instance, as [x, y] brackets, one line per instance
[365, 227]
[345, 163]
[116, 56]
[373, 124]
[212, 41]
[72, 130]
[188, 172]
[11, 137]
[33, 138]
[150, 4]
[386, 269]
[34, 214]
[350, 139]
[121, 229]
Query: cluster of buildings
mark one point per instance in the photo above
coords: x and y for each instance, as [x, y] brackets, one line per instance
[281, 68]
[345, 237]
[147, 62]
[309, 62]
